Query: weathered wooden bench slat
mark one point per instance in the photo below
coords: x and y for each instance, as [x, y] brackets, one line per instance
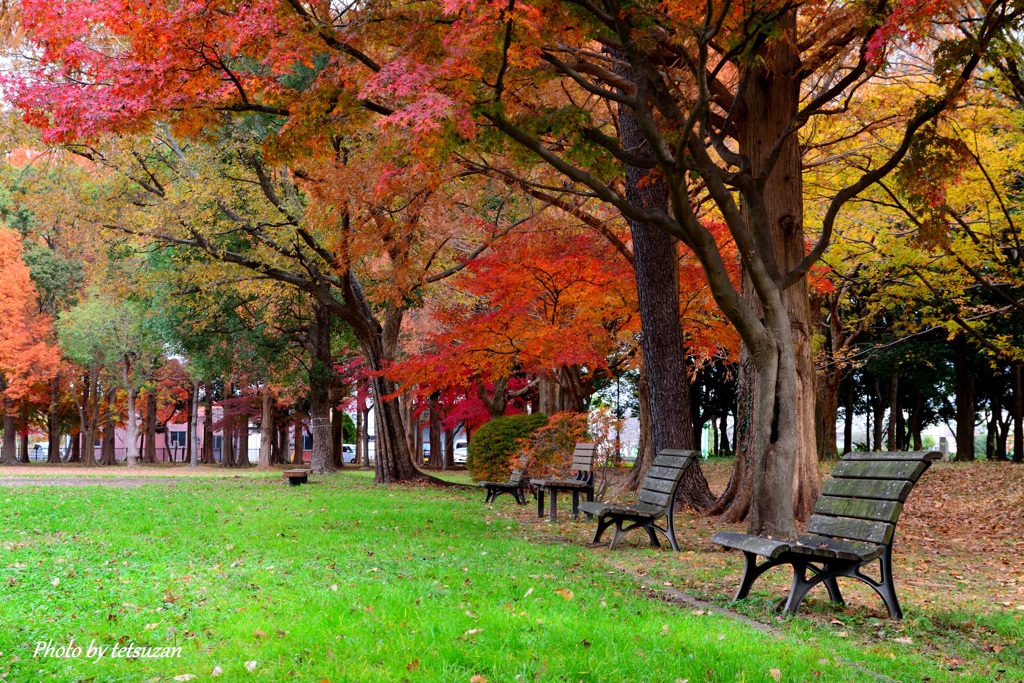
[861, 508]
[653, 497]
[880, 469]
[929, 456]
[838, 548]
[659, 485]
[877, 489]
[853, 524]
[655, 500]
[666, 473]
[856, 529]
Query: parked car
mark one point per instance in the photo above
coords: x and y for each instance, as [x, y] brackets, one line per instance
[348, 452]
[461, 452]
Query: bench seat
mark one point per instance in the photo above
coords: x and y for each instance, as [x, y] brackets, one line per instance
[296, 477]
[640, 510]
[560, 483]
[811, 545]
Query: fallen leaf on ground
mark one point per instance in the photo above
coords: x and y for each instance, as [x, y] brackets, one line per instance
[564, 592]
[251, 665]
[776, 674]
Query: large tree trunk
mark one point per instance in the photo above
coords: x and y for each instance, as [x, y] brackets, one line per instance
[150, 451]
[661, 334]
[379, 344]
[266, 427]
[321, 375]
[827, 413]
[193, 421]
[964, 403]
[8, 454]
[1017, 410]
[337, 435]
[209, 457]
[227, 450]
[24, 440]
[776, 445]
[242, 428]
[53, 422]
[449, 449]
[108, 442]
[190, 428]
[437, 461]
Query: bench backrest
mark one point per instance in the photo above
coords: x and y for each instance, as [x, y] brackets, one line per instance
[520, 471]
[863, 498]
[583, 461]
[662, 480]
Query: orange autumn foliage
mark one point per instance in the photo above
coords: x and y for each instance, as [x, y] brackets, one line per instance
[27, 358]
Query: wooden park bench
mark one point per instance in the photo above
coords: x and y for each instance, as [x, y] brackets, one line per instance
[515, 486]
[853, 525]
[657, 499]
[296, 477]
[581, 481]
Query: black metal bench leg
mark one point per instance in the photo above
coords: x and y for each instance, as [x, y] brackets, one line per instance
[540, 502]
[799, 588]
[575, 504]
[602, 524]
[671, 528]
[553, 505]
[590, 499]
[652, 532]
[751, 572]
[618, 535]
[887, 589]
[834, 594]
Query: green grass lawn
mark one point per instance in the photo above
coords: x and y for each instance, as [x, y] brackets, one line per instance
[343, 581]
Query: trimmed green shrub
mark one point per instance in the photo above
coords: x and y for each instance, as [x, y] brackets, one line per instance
[494, 445]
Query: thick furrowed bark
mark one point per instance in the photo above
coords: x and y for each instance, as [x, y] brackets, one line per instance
[321, 374]
[8, 455]
[771, 102]
[661, 337]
